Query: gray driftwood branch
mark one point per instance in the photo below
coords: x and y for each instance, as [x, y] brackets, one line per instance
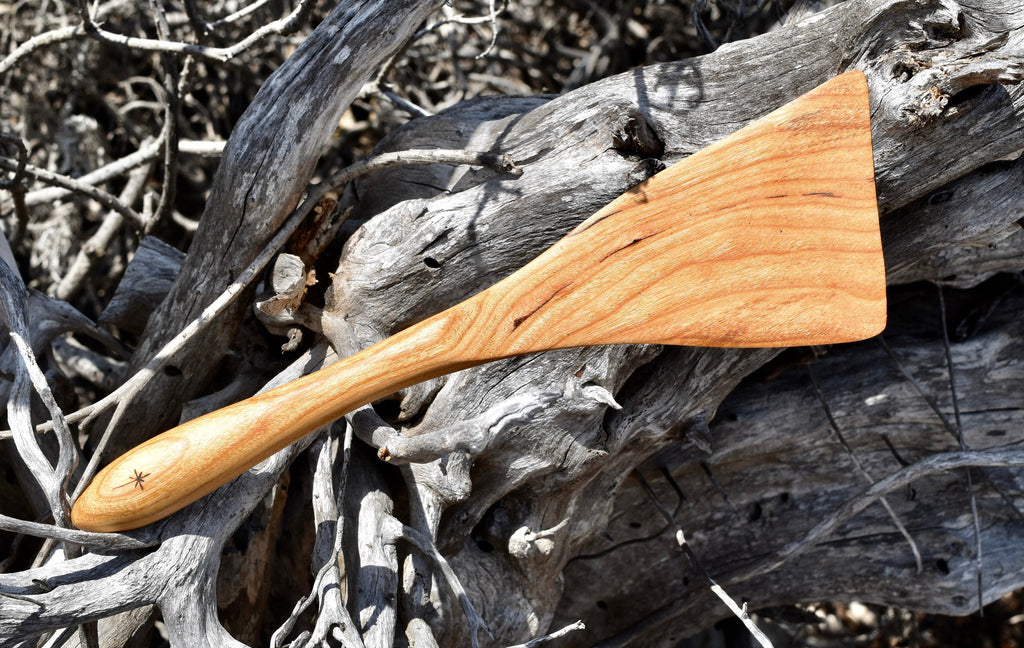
[539, 515]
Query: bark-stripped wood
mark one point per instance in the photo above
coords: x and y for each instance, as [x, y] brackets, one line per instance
[541, 520]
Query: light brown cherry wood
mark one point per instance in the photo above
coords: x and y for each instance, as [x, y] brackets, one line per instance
[766, 238]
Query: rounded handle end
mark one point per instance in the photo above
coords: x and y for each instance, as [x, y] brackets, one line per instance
[137, 488]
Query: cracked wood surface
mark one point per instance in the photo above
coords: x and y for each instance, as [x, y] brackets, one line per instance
[946, 114]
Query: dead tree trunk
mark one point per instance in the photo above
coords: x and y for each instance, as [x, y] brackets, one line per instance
[852, 472]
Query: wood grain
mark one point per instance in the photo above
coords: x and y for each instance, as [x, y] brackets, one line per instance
[767, 238]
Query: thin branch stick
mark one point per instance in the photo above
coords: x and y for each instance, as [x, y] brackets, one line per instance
[107, 172]
[39, 41]
[52, 480]
[325, 516]
[557, 634]
[61, 637]
[950, 427]
[147, 152]
[963, 446]
[106, 541]
[740, 612]
[201, 148]
[67, 453]
[238, 15]
[78, 186]
[424, 544]
[19, 418]
[458, 19]
[169, 132]
[99, 452]
[327, 585]
[498, 162]
[199, 24]
[492, 18]
[935, 463]
[16, 185]
[401, 102]
[218, 54]
[917, 386]
[284, 25]
[88, 27]
[98, 244]
[334, 612]
[949, 369]
[860, 468]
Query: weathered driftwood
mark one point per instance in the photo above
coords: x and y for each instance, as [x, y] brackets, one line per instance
[525, 516]
[779, 468]
[145, 284]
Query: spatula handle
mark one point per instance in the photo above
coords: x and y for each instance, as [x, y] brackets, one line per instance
[185, 463]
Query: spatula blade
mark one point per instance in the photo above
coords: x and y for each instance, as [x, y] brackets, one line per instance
[768, 238]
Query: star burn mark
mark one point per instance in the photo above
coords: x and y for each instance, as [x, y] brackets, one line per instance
[136, 480]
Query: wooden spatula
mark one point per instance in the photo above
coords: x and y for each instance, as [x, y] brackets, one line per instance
[767, 238]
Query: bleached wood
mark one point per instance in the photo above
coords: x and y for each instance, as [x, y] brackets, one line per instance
[568, 463]
[767, 238]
